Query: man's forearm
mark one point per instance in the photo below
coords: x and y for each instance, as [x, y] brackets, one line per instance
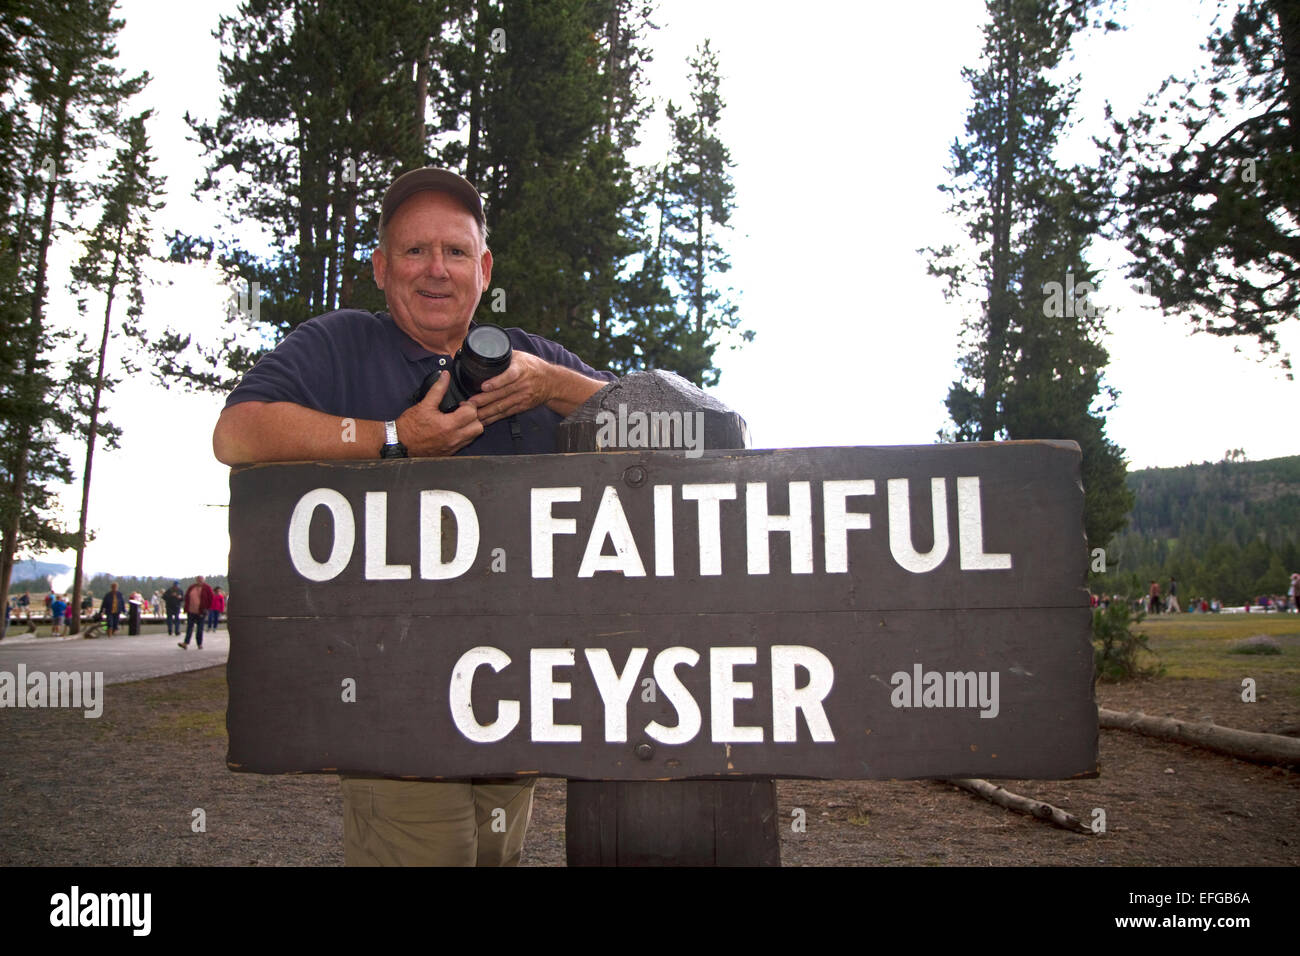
[570, 390]
[283, 431]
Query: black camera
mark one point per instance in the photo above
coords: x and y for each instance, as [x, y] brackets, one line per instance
[484, 355]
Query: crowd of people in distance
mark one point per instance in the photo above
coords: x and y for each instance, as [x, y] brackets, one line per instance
[1158, 601]
[203, 605]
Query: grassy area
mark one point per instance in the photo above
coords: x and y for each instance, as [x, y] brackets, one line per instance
[190, 705]
[1199, 645]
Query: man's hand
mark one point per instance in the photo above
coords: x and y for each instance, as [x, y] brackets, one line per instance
[528, 382]
[428, 433]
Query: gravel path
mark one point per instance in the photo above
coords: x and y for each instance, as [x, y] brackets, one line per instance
[133, 786]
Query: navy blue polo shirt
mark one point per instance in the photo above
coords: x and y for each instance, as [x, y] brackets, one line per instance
[357, 364]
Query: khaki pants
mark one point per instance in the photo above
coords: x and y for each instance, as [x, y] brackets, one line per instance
[418, 823]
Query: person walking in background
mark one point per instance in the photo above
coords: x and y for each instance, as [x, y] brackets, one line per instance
[1171, 605]
[218, 605]
[198, 601]
[1154, 598]
[173, 597]
[1294, 592]
[112, 606]
[58, 608]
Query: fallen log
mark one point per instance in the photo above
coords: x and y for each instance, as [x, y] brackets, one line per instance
[1245, 744]
[1014, 801]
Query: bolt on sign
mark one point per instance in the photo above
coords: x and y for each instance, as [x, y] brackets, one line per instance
[810, 612]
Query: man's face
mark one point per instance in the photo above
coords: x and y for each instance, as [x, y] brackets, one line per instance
[433, 270]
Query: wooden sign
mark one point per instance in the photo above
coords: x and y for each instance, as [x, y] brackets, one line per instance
[814, 612]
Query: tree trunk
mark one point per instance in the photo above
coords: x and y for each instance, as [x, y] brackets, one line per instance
[421, 99]
[1288, 19]
[332, 241]
[1001, 207]
[611, 66]
[1244, 744]
[74, 626]
[348, 274]
[26, 373]
[476, 78]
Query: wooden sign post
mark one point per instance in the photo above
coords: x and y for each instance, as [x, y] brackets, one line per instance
[839, 613]
[679, 822]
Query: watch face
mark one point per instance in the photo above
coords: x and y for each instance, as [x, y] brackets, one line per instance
[395, 450]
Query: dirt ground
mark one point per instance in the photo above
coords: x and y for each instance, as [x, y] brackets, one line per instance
[126, 788]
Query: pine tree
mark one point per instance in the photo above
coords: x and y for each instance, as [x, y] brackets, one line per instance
[1034, 362]
[113, 260]
[695, 201]
[69, 93]
[538, 103]
[325, 101]
[553, 172]
[1211, 170]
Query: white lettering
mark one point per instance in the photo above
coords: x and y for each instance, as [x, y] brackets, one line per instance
[545, 526]
[460, 693]
[688, 711]
[970, 531]
[462, 511]
[787, 699]
[724, 690]
[345, 533]
[838, 520]
[377, 566]
[545, 691]
[759, 525]
[900, 526]
[611, 522]
[615, 688]
[708, 497]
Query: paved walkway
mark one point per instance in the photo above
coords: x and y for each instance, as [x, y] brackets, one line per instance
[120, 658]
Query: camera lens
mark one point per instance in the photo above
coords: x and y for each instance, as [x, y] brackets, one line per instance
[485, 354]
[488, 343]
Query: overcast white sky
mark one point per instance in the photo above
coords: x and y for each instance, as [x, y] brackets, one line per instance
[839, 119]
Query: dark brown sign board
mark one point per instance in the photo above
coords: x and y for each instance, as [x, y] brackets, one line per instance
[647, 615]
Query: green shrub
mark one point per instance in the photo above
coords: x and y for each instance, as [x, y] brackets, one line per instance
[1116, 646]
[1258, 644]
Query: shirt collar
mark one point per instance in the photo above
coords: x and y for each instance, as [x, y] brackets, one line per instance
[412, 350]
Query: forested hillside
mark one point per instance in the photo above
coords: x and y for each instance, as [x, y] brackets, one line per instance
[1229, 530]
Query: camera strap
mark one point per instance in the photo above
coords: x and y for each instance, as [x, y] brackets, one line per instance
[516, 435]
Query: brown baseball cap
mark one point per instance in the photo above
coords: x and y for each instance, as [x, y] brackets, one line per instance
[431, 177]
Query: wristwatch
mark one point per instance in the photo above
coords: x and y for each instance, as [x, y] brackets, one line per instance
[392, 447]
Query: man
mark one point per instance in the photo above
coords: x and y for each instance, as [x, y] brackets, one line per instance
[198, 600]
[173, 598]
[112, 607]
[58, 607]
[340, 386]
